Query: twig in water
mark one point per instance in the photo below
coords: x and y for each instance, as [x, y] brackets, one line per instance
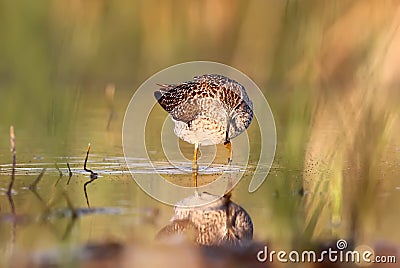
[84, 189]
[12, 205]
[69, 173]
[33, 185]
[37, 195]
[93, 176]
[14, 159]
[60, 172]
[68, 229]
[14, 225]
[10, 186]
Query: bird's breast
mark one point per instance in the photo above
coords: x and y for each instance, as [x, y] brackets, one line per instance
[202, 130]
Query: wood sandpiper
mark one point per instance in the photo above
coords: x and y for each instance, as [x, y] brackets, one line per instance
[210, 109]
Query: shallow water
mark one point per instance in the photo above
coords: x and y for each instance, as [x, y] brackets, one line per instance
[40, 221]
[332, 84]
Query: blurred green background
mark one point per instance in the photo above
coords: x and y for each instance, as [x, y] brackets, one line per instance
[329, 69]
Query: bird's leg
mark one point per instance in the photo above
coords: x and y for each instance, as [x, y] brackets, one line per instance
[227, 142]
[195, 166]
[228, 146]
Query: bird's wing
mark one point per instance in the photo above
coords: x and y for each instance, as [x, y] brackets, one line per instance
[178, 101]
[187, 111]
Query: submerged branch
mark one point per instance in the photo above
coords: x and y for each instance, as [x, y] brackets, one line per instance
[69, 173]
[34, 184]
[14, 160]
[93, 176]
[60, 174]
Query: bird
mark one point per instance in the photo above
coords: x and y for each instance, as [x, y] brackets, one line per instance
[210, 109]
[221, 222]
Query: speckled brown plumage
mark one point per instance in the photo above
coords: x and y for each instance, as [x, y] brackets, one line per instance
[210, 109]
[221, 222]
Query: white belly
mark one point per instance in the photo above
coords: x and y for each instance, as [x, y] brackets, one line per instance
[205, 131]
